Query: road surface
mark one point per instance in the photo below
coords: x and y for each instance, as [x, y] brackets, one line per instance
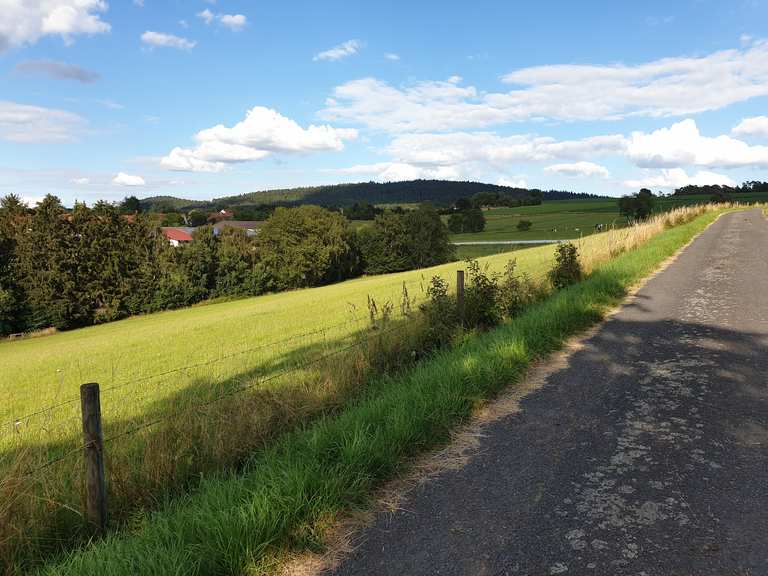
[647, 454]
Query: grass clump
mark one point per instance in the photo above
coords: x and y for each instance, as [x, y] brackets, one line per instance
[233, 521]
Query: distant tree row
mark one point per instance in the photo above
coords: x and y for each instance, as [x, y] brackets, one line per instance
[754, 186]
[437, 192]
[95, 264]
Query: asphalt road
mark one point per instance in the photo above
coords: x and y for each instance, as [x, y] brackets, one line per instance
[646, 455]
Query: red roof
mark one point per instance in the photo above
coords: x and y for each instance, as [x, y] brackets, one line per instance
[175, 234]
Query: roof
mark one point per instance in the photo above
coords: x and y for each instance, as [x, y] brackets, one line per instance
[177, 234]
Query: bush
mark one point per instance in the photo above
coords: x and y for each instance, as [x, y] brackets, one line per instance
[480, 297]
[515, 292]
[567, 268]
[524, 225]
[440, 314]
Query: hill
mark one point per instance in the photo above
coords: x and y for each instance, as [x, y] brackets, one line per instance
[438, 192]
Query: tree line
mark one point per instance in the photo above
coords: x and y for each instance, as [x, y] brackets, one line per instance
[70, 268]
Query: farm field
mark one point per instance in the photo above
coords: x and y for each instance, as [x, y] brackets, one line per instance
[571, 219]
[555, 220]
[340, 459]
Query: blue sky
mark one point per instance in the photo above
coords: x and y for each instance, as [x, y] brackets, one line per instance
[201, 99]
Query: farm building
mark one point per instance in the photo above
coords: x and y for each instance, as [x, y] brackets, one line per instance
[250, 227]
[177, 236]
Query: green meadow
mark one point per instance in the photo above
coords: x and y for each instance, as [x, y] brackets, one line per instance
[284, 498]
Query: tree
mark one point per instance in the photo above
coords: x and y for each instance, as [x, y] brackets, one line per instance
[130, 205]
[428, 236]
[307, 246]
[638, 206]
[385, 245]
[172, 219]
[467, 220]
[197, 217]
[524, 225]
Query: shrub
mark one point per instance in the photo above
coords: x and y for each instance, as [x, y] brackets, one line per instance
[567, 268]
[515, 292]
[480, 297]
[524, 225]
[440, 314]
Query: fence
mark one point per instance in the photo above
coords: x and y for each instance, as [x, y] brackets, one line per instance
[90, 407]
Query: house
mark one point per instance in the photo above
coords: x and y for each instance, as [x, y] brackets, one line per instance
[220, 216]
[251, 227]
[177, 236]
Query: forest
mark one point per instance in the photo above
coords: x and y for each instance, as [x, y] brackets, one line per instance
[437, 192]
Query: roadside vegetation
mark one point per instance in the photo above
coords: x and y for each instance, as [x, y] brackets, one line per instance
[242, 412]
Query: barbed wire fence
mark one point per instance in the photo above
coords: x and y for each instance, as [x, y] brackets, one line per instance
[307, 349]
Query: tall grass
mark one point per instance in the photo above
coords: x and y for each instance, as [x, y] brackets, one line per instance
[213, 421]
[284, 495]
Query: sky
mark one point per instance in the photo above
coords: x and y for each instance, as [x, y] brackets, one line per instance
[209, 98]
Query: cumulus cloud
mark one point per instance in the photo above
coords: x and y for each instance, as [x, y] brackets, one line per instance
[58, 70]
[206, 16]
[399, 171]
[123, 179]
[661, 88]
[460, 155]
[437, 149]
[683, 145]
[512, 182]
[672, 178]
[756, 126]
[343, 50]
[34, 124]
[26, 21]
[161, 39]
[263, 132]
[234, 22]
[578, 169]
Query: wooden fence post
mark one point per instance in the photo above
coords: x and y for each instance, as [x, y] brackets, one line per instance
[460, 295]
[93, 445]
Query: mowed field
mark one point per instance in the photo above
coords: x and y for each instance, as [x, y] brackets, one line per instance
[556, 220]
[142, 361]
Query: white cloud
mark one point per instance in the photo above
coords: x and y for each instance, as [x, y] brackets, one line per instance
[206, 16]
[511, 182]
[26, 21]
[579, 169]
[263, 132]
[234, 22]
[139, 3]
[755, 126]
[81, 181]
[34, 124]
[343, 50]
[497, 151]
[682, 144]
[58, 70]
[392, 56]
[665, 87]
[123, 179]
[677, 177]
[166, 40]
[399, 171]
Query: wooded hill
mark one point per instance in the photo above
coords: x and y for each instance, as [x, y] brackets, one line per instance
[438, 192]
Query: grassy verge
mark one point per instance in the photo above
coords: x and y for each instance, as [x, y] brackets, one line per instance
[232, 522]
